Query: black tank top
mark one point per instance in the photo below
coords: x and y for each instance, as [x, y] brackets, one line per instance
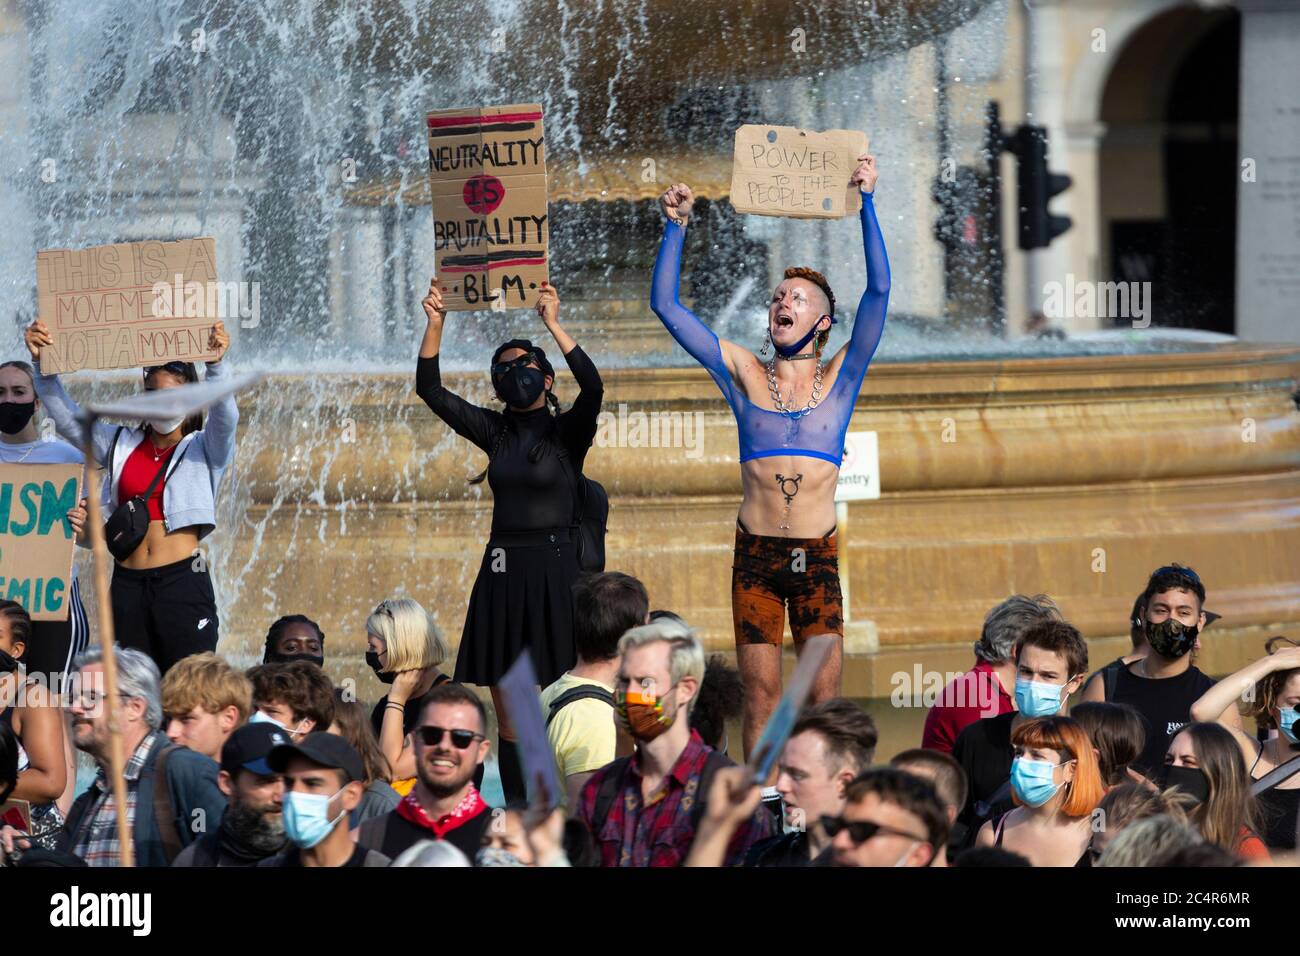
[1166, 706]
[1278, 812]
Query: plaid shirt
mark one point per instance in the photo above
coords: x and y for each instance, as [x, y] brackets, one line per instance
[659, 831]
[97, 841]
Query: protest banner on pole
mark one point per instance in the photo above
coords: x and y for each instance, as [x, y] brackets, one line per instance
[36, 538]
[129, 305]
[523, 704]
[487, 174]
[786, 171]
[777, 731]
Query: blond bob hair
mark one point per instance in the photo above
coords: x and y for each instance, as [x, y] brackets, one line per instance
[411, 639]
[205, 680]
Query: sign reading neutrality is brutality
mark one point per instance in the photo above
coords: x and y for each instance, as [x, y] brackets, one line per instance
[487, 171]
[36, 539]
[127, 305]
[785, 171]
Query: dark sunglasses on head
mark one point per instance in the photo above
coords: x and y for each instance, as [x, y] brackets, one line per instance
[460, 739]
[179, 369]
[500, 368]
[861, 831]
[1185, 572]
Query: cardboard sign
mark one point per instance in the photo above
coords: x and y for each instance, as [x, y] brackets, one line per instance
[128, 305]
[785, 171]
[487, 173]
[36, 538]
[777, 732]
[859, 478]
[523, 704]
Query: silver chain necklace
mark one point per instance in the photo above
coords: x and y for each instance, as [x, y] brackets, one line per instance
[35, 445]
[813, 399]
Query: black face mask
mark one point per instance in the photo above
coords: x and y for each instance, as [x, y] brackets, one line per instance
[1171, 638]
[8, 664]
[385, 677]
[274, 657]
[14, 416]
[520, 387]
[1190, 781]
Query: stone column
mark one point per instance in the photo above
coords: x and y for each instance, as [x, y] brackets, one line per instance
[1268, 208]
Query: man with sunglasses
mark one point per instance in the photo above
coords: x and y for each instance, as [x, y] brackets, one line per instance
[450, 744]
[891, 818]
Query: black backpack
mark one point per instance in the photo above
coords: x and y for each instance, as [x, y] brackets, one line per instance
[582, 692]
[591, 519]
[612, 783]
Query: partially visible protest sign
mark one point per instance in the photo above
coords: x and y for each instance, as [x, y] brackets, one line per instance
[772, 741]
[523, 704]
[36, 539]
[786, 171]
[128, 305]
[487, 173]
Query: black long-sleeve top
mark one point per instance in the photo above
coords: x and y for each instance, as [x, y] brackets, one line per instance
[526, 496]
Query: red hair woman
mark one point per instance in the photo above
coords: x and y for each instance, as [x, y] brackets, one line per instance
[1056, 784]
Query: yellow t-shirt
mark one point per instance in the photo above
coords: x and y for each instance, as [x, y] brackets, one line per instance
[583, 735]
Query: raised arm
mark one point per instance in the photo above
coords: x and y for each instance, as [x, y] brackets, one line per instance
[58, 404]
[1218, 703]
[869, 322]
[223, 416]
[478, 425]
[578, 424]
[703, 345]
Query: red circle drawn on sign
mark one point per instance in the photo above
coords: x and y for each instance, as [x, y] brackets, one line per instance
[483, 194]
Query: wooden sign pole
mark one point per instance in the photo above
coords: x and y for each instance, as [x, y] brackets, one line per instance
[116, 755]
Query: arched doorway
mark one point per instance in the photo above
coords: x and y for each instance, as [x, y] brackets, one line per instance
[1167, 166]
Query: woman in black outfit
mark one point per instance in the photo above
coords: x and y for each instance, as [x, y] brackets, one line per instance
[523, 595]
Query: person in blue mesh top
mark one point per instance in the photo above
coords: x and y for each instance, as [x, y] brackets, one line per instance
[792, 411]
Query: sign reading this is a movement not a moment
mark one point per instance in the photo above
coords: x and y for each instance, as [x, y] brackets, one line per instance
[487, 172]
[36, 539]
[786, 171]
[127, 305]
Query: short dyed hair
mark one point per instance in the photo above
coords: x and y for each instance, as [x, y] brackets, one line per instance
[1071, 742]
[205, 680]
[848, 730]
[299, 685]
[907, 792]
[819, 280]
[1060, 637]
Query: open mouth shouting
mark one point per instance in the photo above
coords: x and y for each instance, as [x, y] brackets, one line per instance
[784, 320]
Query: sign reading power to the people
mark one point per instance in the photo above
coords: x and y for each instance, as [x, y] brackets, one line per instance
[487, 171]
[785, 171]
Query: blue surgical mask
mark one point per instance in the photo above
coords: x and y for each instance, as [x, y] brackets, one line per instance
[1035, 699]
[1031, 781]
[1286, 723]
[306, 817]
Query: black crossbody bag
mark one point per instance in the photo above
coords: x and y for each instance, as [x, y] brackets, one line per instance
[127, 526]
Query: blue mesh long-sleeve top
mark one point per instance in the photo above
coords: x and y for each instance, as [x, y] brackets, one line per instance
[763, 432]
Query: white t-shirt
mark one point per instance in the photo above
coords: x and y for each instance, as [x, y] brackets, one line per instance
[43, 451]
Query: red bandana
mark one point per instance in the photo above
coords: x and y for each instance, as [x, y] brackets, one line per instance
[468, 808]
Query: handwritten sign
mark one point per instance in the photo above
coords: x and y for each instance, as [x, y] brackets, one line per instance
[36, 539]
[785, 171]
[128, 305]
[859, 478]
[523, 703]
[487, 172]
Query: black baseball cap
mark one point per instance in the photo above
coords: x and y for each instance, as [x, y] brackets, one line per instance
[247, 748]
[325, 749]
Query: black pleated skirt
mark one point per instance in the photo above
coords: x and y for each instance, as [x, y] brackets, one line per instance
[522, 598]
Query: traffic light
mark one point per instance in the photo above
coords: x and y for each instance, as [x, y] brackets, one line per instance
[1035, 186]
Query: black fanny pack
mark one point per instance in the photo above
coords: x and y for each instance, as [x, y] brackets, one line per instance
[127, 526]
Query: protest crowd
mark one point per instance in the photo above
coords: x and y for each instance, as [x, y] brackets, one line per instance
[617, 753]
